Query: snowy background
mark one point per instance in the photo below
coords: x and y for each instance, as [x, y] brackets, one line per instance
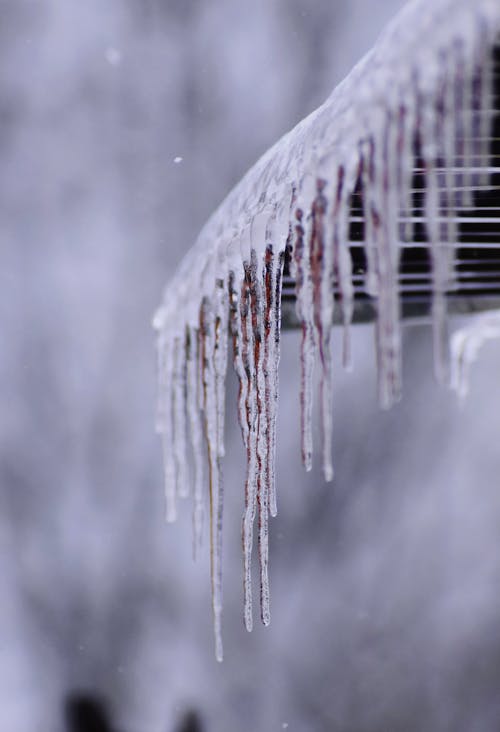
[386, 585]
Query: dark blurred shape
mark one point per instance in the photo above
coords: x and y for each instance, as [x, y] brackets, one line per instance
[190, 723]
[87, 713]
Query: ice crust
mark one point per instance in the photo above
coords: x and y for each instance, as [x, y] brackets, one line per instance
[426, 79]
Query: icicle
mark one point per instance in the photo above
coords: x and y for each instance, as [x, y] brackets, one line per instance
[196, 432]
[273, 360]
[235, 324]
[372, 206]
[466, 83]
[461, 150]
[483, 104]
[389, 267]
[164, 417]
[165, 425]
[342, 255]
[220, 357]
[478, 79]
[268, 366]
[465, 345]
[403, 161]
[246, 333]
[179, 419]
[468, 115]
[200, 370]
[320, 259]
[430, 136]
[367, 176]
[383, 210]
[161, 347]
[447, 145]
[247, 355]
[443, 232]
[304, 307]
[259, 310]
[208, 356]
[321, 269]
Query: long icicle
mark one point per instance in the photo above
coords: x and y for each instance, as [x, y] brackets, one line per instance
[235, 324]
[374, 283]
[404, 170]
[459, 122]
[165, 427]
[342, 257]
[274, 359]
[251, 419]
[484, 115]
[430, 133]
[369, 215]
[196, 433]
[241, 360]
[385, 212]
[208, 344]
[179, 418]
[220, 358]
[259, 311]
[448, 145]
[443, 260]
[307, 346]
[321, 260]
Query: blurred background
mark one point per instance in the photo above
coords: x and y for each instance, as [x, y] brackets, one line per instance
[122, 125]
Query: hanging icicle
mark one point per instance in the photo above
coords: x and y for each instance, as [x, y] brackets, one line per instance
[404, 139]
[465, 345]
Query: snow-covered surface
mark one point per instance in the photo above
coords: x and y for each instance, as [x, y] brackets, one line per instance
[427, 76]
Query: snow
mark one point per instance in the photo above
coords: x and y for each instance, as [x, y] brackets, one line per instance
[427, 78]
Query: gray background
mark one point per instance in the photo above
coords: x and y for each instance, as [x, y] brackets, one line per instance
[386, 584]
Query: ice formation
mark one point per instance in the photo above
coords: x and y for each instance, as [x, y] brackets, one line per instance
[465, 345]
[424, 87]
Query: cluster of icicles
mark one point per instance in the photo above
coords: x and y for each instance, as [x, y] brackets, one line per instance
[426, 84]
